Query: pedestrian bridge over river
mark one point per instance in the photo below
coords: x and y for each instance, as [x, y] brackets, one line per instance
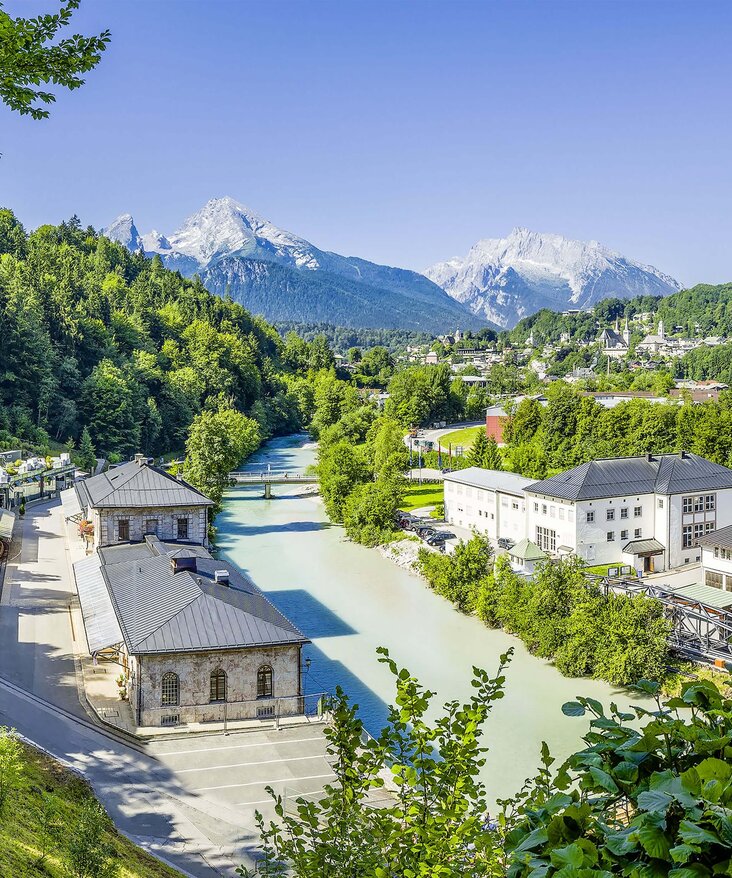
[270, 478]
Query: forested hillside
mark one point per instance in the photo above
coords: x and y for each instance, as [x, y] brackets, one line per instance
[92, 336]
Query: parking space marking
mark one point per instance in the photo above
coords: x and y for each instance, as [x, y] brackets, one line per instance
[272, 801]
[234, 747]
[256, 783]
[248, 764]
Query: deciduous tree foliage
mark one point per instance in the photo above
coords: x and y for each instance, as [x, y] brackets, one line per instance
[434, 823]
[217, 443]
[30, 56]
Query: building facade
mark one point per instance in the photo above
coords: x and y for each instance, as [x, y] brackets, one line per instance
[651, 512]
[716, 549]
[492, 502]
[137, 499]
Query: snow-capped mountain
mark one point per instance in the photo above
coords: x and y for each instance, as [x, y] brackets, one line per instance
[272, 272]
[505, 279]
[124, 231]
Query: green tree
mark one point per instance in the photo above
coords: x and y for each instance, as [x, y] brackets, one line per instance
[90, 853]
[86, 456]
[341, 467]
[458, 576]
[108, 401]
[387, 447]
[218, 442]
[369, 513]
[435, 823]
[476, 453]
[30, 55]
[492, 458]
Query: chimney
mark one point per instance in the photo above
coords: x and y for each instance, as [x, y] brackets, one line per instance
[221, 577]
[682, 454]
[140, 459]
[649, 457]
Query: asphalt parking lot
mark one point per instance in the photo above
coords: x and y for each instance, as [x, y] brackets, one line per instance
[233, 770]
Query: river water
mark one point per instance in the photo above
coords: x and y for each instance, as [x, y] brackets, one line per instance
[349, 600]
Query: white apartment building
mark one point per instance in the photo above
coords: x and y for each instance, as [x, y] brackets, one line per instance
[492, 502]
[716, 550]
[649, 511]
[653, 512]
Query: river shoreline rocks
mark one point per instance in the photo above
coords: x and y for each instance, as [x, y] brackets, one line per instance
[404, 553]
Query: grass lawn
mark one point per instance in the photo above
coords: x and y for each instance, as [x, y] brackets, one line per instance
[464, 437]
[21, 837]
[416, 496]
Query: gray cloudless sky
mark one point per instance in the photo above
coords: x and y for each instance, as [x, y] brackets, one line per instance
[401, 132]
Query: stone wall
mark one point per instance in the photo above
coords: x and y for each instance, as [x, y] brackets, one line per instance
[194, 670]
[106, 524]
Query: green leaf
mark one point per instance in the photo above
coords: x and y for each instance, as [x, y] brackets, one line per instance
[603, 780]
[571, 855]
[692, 833]
[654, 841]
[714, 769]
[573, 708]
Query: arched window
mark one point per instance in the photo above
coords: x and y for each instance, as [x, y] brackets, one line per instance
[218, 685]
[264, 682]
[170, 695]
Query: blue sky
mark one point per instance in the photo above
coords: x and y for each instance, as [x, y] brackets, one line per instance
[401, 132]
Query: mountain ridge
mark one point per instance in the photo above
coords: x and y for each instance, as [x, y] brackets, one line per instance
[281, 276]
[507, 279]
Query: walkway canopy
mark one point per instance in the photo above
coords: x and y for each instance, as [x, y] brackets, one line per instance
[7, 520]
[71, 506]
[100, 619]
[643, 548]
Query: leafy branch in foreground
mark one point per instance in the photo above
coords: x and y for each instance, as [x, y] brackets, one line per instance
[654, 800]
[409, 803]
[29, 58]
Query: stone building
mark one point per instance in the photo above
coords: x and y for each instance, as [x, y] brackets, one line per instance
[135, 500]
[196, 640]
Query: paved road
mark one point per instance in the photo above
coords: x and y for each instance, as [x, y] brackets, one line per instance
[190, 800]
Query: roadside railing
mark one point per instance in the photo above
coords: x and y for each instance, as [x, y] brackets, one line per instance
[254, 713]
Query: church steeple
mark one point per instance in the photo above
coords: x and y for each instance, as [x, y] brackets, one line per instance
[626, 332]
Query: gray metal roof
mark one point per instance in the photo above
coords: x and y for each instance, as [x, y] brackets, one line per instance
[71, 503]
[7, 521]
[160, 611]
[137, 485]
[490, 479]
[100, 619]
[626, 476]
[721, 538]
[644, 547]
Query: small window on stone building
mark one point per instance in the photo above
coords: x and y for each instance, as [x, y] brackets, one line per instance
[170, 690]
[182, 533]
[218, 685]
[264, 682]
[123, 530]
[151, 526]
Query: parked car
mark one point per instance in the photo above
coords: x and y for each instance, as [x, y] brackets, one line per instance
[505, 543]
[439, 537]
[424, 532]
